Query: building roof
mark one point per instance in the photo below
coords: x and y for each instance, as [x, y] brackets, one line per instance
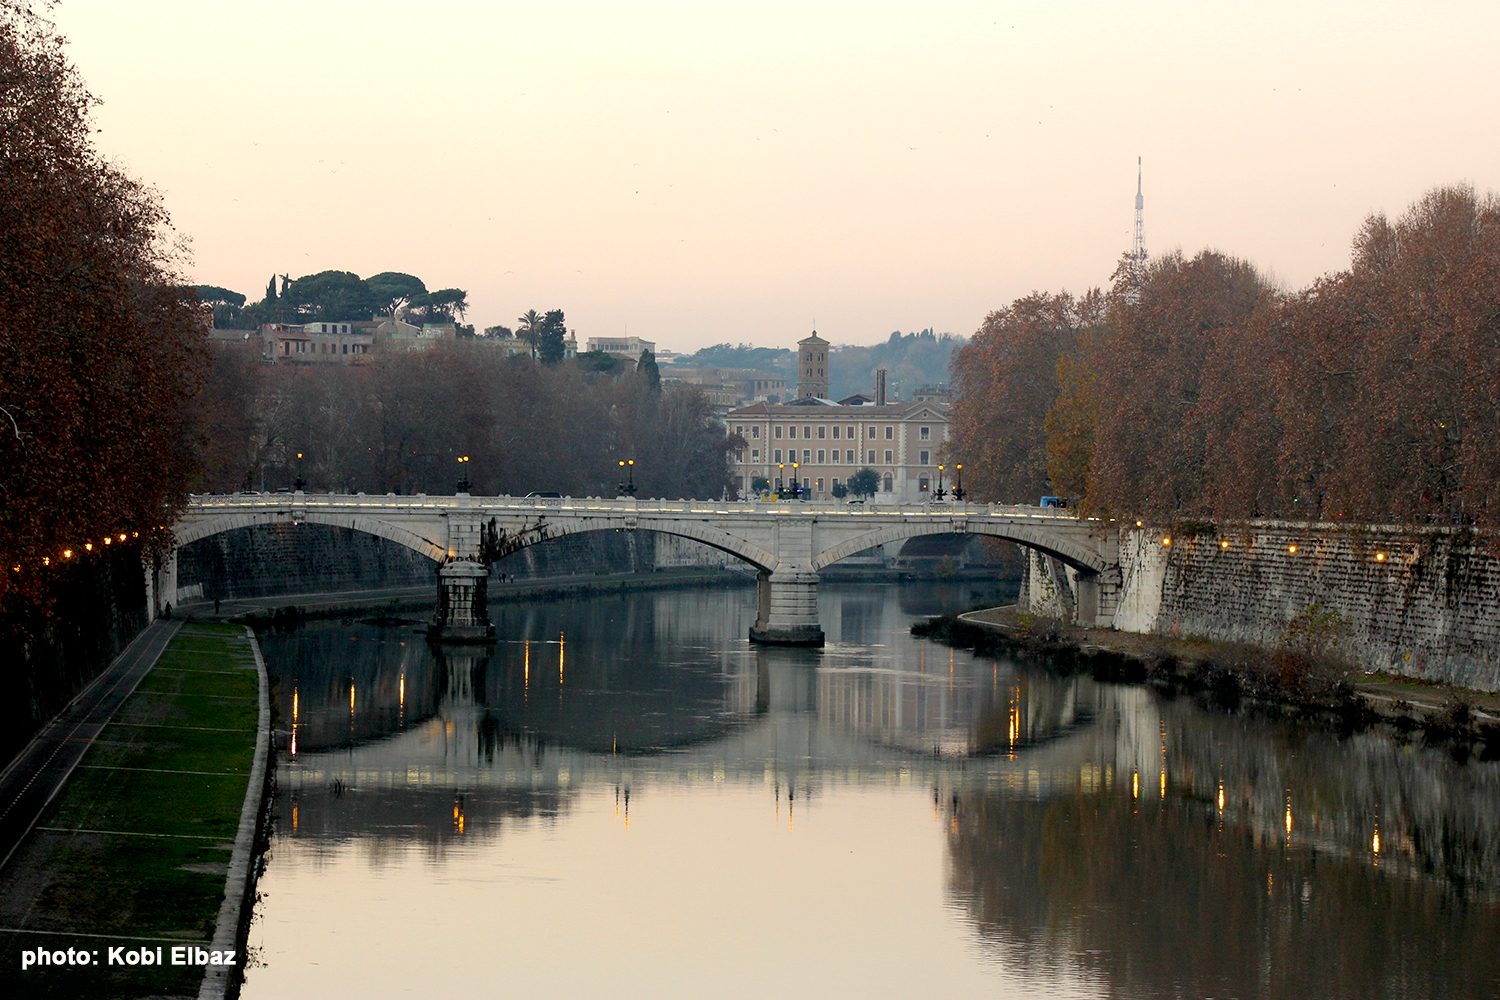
[799, 409]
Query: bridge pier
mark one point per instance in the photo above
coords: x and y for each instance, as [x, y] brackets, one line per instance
[462, 610]
[788, 613]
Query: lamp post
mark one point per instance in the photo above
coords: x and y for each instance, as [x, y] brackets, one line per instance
[939, 493]
[796, 481]
[463, 483]
[958, 491]
[781, 480]
[627, 485]
[300, 483]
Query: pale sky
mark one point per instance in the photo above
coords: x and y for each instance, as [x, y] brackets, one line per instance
[706, 172]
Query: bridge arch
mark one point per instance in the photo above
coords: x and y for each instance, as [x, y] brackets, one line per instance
[742, 549]
[1066, 547]
[198, 529]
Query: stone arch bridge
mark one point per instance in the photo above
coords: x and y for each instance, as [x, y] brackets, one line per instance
[787, 543]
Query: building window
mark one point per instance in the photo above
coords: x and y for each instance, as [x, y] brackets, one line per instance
[822, 431]
[850, 435]
[755, 454]
[922, 485]
[778, 455]
[806, 457]
[849, 457]
[822, 457]
[925, 433]
[807, 432]
[888, 456]
[887, 482]
[890, 432]
[835, 432]
[872, 433]
[755, 432]
[791, 431]
[778, 432]
[922, 458]
[739, 457]
[871, 458]
[741, 432]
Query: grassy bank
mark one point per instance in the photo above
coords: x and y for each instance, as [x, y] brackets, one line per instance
[133, 852]
[1287, 681]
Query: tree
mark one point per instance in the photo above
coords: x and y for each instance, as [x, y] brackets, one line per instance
[648, 373]
[331, 296]
[391, 290]
[103, 338]
[529, 328]
[1004, 383]
[551, 344]
[864, 483]
[840, 491]
[1150, 453]
[759, 484]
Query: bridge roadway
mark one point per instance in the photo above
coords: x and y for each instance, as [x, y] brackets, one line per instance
[787, 543]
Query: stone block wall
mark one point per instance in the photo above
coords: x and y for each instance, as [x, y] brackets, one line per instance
[1423, 603]
[297, 559]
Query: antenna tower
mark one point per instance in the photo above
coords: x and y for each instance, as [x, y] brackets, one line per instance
[1138, 243]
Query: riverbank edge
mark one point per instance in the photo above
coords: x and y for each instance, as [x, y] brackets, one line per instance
[232, 930]
[1463, 719]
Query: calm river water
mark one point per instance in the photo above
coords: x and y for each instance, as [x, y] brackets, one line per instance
[624, 798]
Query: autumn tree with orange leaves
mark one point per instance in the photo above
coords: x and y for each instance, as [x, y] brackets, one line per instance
[98, 338]
[1373, 395]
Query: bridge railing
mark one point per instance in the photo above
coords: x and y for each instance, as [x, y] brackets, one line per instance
[205, 503]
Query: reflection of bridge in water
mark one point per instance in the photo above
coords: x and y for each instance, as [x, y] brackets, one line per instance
[787, 544]
[780, 724]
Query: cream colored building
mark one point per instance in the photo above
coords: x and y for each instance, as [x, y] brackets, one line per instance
[828, 442]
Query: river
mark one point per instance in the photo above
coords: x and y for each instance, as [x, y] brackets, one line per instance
[623, 797]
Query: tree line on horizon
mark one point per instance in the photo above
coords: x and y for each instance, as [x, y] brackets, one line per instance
[336, 296]
[1196, 388]
[401, 423]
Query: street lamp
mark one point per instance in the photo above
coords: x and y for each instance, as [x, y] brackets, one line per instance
[781, 480]
[463, 483]
[796, 481]
[627, 485]
[939, 493]
[301, 483]
[958, 491]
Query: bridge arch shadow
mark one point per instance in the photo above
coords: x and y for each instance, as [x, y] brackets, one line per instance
[1067, 550]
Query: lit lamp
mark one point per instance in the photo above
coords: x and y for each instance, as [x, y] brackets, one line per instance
[940, 492]
[796, 481]
[958, 491]
[627, 485]
[463, 468]
[301, 483]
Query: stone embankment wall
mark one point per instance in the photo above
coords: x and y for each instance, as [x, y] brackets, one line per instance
[1422, 603]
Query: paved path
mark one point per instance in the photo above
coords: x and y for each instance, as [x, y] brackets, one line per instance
[36, 774]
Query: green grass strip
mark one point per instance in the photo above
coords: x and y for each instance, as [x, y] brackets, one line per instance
[137, 843]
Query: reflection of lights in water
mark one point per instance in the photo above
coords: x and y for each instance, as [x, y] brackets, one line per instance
[1135, 784]
[294, 815]
[562, 648]
[1289, 816]
[1163, 782]
[526, 669]
[294, 726]
[294, 706]
[401, 718]
[1221, 796]
[1375, 842]
[1270, 880]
